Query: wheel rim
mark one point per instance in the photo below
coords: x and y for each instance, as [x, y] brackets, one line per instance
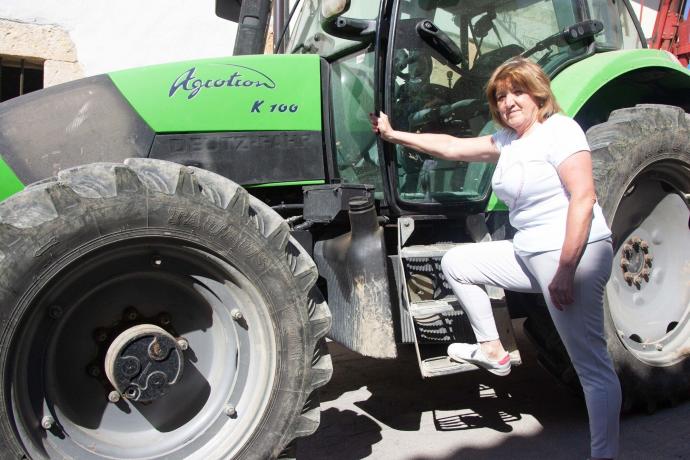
[229, 366]
[648, 294]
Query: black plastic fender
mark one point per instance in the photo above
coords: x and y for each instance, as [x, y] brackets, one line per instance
[84, 121]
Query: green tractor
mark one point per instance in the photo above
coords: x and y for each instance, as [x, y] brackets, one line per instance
[170, 235]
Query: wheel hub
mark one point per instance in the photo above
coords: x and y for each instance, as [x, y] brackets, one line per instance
[636, 262]
[143, 362]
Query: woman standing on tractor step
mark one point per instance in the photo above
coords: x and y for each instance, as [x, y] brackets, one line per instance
[562, 247]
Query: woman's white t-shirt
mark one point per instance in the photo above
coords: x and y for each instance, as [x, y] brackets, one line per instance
[526, 179]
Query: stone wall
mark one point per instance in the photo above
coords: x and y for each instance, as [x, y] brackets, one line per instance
[37, 43]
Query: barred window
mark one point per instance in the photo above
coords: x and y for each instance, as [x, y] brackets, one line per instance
[19, 76]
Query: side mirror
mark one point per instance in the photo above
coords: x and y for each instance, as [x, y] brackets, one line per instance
[229, 9]
[332, 8]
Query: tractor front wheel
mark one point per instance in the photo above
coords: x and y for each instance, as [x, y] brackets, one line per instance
[150, 310]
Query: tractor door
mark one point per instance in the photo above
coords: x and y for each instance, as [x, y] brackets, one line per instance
[439, 60]
[351, 86]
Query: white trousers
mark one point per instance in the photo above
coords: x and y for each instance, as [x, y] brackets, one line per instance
[580, 325]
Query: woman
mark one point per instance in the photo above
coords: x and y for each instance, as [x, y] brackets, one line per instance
[562, 247]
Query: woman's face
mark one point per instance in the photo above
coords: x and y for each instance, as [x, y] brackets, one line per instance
[517, 108]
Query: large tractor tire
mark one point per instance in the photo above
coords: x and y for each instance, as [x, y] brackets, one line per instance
[641, 162]
[151, 310]
[641, 159]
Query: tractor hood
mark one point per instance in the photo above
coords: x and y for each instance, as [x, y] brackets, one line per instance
[242, 93]
[254, 119]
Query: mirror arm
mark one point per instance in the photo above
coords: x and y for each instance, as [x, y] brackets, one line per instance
[584, 30]
[349, 28]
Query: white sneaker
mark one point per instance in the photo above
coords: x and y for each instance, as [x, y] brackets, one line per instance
[472, 353]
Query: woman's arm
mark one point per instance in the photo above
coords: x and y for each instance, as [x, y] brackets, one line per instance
[437, 145]
[576, 174]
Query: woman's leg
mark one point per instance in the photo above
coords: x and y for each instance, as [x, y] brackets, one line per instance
[493, 263]
[581, 327]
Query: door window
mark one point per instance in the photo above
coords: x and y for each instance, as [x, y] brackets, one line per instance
[432, 91]
[352, 96]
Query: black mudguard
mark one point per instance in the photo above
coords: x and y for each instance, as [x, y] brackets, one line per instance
[354, 267]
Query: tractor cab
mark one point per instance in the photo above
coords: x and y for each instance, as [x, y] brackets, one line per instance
[426, 63]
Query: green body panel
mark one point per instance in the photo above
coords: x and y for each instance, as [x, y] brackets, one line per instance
[576, 84]
[495, 204]
[9, 182]
[240, 93]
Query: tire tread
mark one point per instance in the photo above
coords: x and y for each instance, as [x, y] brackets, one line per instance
[141, 175]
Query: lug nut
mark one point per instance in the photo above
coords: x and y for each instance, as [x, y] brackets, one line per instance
[638, 280]
[131, 392]
[236, 314]
[164, 319]
[156, 351]
[113, 396]
[182, 343]
[47, 422]
[130, 366]
[648, 260]
[629, 278]
[55, 311]
[627, 250]
[230, 410]
[644, 246]
[645, 274]
[624, 264]
[94, 370]
[659, 347]
[101, 335]
[157, 380]
[636, 242]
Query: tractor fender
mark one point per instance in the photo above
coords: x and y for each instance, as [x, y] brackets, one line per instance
[577, 85]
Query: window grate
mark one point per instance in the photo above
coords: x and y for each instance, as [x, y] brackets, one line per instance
[19, 76]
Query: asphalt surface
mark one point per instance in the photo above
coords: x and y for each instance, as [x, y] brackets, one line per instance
[383, 409]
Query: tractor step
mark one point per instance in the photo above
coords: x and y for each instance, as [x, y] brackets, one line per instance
[427, 308]
[434, 317]
[449, 305]
[427, 251]
[438, 323]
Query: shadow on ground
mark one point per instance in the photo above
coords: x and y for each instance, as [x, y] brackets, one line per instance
[390, 395]
[383, 409]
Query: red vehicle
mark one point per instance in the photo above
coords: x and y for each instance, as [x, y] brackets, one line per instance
[672, 29]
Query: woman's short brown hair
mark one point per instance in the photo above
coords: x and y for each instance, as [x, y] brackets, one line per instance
[521, 73]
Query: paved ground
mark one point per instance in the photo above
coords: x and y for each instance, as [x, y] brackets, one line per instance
[380, 409]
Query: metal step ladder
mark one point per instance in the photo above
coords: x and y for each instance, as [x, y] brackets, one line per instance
[431, 315]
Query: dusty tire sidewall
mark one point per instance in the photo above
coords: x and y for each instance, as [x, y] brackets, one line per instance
[615, 168]
[33, 256]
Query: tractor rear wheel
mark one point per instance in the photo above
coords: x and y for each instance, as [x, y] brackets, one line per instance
[641, 159]
[641, 162]
[151, 310]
